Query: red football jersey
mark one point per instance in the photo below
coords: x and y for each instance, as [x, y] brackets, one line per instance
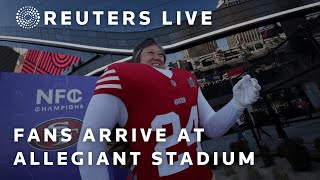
[155, 101]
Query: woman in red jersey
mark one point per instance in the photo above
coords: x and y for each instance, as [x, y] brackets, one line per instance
[144, 95]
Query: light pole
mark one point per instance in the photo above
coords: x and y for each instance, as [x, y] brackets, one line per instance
[245, 56]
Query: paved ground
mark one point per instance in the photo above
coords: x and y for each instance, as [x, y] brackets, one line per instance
[257, 172]
[308, 130]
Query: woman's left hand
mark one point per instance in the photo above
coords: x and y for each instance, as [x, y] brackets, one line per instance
[246, 91]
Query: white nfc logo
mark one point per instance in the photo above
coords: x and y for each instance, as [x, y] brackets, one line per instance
[28, 17]
[55, 95]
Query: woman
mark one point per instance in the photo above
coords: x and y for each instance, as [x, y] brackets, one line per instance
[145, 95]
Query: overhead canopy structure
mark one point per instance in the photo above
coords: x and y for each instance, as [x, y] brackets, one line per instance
[118, 44]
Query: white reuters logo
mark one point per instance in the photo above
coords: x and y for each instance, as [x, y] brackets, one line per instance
[28, 17]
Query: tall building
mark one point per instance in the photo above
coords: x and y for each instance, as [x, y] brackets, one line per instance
[201, 50]
[249, 38]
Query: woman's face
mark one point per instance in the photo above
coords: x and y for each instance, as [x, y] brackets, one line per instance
[153, 56]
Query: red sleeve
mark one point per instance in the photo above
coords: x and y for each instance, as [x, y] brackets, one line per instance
[110, 82]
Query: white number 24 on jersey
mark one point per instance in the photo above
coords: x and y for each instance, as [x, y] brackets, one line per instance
[172, 118]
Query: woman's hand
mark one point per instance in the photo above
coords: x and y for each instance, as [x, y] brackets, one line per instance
[246, 91]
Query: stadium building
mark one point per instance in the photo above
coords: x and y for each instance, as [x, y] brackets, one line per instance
[277, 42]
[241, 34]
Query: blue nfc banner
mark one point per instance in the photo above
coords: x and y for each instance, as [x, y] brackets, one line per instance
[39, 102]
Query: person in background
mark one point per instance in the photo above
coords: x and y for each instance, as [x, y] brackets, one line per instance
[258, 124]
[305, 106]
[278, 126]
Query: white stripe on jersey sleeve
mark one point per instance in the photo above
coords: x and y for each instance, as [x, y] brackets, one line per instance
[109, 86]
[110, 78]
[109, 72]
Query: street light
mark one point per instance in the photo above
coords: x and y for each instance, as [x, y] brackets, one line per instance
[245, 54]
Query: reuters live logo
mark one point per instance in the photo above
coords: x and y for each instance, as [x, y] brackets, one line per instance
[58, 124]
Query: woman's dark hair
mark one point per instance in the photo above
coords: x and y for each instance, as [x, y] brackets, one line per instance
[138, 49]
